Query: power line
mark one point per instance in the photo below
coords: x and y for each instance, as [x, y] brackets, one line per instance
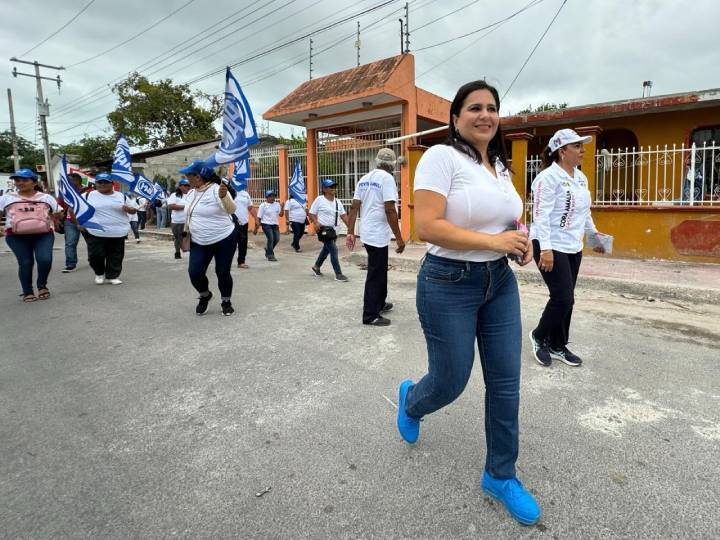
[56, 32]
[446, 15]
[134, 36]
[534, 48]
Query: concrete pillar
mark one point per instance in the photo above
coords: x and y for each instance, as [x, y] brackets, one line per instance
[283, 180]
[311, 175]
[589, 163]
[409, 125]
[414, 154]
[519, 157]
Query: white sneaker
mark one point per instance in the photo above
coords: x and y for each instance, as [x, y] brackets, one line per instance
[137, 241]
[115, 281]
[99, 280]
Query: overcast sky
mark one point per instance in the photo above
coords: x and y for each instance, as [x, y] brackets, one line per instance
[597, 50]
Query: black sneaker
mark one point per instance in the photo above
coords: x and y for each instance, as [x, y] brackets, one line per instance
[340, 277]
[272, 258]
[564, 355]
[68, 269]
[177, 255]
[386, 307]
[379, 321]
[227, 308]
[202, 305]
[541, 351]
[316, 271]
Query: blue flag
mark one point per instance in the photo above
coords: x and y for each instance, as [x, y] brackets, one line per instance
[143, 187]
[241, 172]
[80, 207]
[159, 192]
[122, 163]
[296, 187]
[239, 130]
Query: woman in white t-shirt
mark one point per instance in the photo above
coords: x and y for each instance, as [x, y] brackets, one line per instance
[176, 205]
[106, 246]
[212, 232]
[296, 214]
[28, 231]
[131, 202]
[465, 204]
[325, 214]
[269, 218]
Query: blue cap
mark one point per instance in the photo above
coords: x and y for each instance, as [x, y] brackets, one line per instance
[24, 173]
[193, 168]
[206, 172]
[183, 182]
[103, 177]
[269, 193]
[328, 182]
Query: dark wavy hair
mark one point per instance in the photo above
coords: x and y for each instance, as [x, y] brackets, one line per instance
[496, 147]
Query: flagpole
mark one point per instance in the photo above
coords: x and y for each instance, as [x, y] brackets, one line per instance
[418, 134]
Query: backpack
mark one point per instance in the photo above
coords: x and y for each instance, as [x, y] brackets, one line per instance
[29, 216]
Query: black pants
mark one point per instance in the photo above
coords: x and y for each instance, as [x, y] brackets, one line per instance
[223, 252]
[242, 240]
[105, 255]
[375, 282]
[298, 230]
[177, 230]
[554, 325]
[142, 218]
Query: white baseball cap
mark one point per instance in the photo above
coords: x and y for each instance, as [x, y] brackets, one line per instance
[386, 155]
[564, 137]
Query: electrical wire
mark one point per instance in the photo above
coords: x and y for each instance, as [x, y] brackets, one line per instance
[56, 32]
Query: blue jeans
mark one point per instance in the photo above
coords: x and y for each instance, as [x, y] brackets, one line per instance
[460, 303]
[160, 217]
[72, 237]
[29, 248]
[272, 233]
[329, 248]
[200, 257]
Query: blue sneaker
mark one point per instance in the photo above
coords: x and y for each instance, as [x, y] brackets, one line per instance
[408, 426]
[518, 501]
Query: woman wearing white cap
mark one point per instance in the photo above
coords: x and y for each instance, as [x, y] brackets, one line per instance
[467, 295]
[325, 213]
[176, 204]
[561, 216]
[269, 217]
[28, 231]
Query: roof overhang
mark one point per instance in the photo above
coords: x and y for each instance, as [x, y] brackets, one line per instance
[359, 107]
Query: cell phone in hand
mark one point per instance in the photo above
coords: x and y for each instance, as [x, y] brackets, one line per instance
[516, 226]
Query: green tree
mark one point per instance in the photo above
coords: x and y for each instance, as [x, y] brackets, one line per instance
[545, 107]
[89, 150]
[159, 114]
[31, 155]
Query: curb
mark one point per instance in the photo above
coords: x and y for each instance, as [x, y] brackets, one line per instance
[643, 289]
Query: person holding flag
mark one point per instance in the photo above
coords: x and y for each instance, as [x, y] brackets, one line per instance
[29, 232]
[71, 227]
[212, 236]
[243, 208]
[296, 207]
[106, 246]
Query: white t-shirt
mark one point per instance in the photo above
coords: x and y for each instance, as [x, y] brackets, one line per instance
[209, 222]
[296, 211]
[476, 200]
[11, 197]
[269, 213]
[177, 216]
[142, 204]
[561, 209]
[132, 203]
[109, 214]
[243, 203]
[373, 191]
[325, 211]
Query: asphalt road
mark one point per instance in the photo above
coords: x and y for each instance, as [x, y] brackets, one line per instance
[122, 414]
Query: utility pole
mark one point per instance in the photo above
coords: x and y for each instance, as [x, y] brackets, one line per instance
[407, 28]
[13, 134]
[43, 109]
[311, 51]
[402, 29]
[357, 44]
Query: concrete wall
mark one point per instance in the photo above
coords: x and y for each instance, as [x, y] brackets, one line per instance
[168, 164]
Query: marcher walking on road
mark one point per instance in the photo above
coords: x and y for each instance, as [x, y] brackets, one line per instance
[176, 205]
[106, 246]
[296, 217]
[71, 229]
[131, 202]
[269, 218]
[28, 231]
[212, 236]
[561, 216]
[376, 200]
[142, 212]
[243, 209]
[325, 213]
[161, 212]
[466, 292]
